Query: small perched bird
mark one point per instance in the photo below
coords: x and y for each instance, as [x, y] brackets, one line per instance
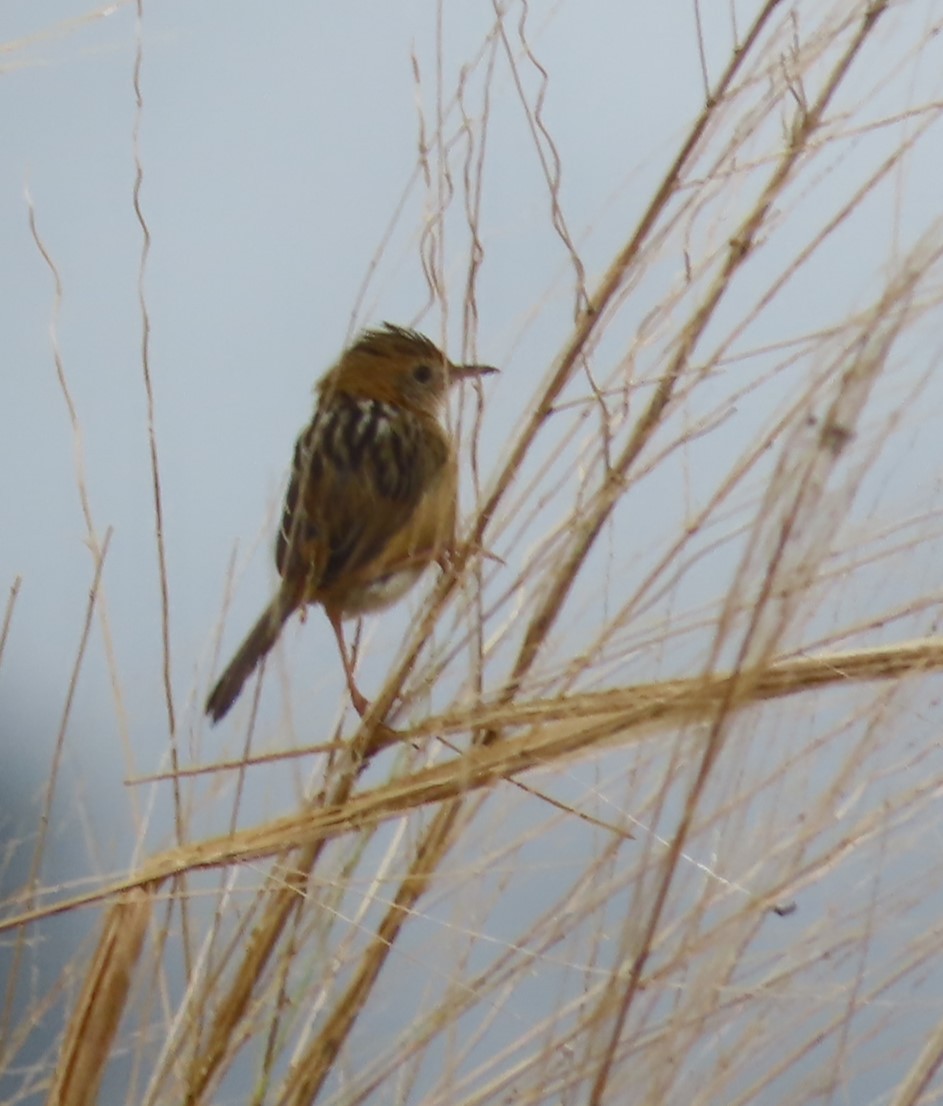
[372, 496]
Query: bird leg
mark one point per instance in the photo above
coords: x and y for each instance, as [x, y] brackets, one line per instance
[360, 703]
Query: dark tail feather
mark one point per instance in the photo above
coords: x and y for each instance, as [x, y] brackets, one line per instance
[260, 640]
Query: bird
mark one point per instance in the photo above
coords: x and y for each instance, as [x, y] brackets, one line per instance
[372, 497]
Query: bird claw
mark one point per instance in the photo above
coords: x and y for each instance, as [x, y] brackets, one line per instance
[451, 557]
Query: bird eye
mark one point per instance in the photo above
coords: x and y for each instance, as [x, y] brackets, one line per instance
[423, 374]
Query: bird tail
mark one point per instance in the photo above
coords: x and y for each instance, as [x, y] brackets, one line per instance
[257, 644]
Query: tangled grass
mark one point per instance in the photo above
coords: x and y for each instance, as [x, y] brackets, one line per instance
[645, 810]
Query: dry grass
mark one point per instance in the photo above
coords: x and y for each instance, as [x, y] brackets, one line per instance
[669, 832]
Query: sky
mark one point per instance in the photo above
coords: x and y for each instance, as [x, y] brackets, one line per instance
[289, 167]
[275, 152]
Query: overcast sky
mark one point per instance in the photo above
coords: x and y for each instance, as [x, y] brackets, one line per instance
[277, 146]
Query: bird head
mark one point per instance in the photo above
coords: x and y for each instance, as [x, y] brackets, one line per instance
[400, 366]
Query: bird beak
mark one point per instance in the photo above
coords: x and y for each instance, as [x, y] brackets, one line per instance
[467, 372]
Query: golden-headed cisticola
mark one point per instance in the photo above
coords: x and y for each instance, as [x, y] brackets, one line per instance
[372, 497]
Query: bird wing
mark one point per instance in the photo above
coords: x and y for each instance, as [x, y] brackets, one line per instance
[359, 472]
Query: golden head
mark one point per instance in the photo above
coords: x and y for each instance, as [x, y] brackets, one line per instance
[400, 366]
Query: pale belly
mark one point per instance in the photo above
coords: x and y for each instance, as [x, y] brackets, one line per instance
[381, 592]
